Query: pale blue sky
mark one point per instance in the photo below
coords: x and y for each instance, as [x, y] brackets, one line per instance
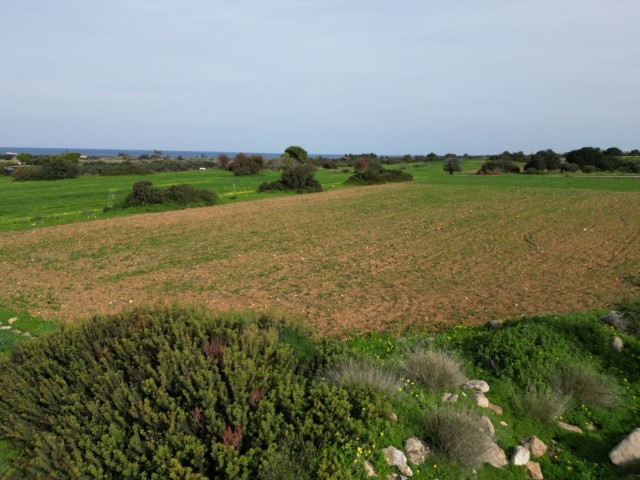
[334, 76]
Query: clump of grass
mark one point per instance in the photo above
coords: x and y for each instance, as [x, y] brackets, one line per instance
[436, 370]
[457, 434]
[361, 372]
[585, 384]
[542, 404]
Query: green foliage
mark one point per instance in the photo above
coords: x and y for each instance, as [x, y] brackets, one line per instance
[299, 178]
[363, 373]
[144, 193]
[436, 370]
[299, 154]
[593, 157]
[246, 164]
[50, 168]
[173, 393]
[631, 312]
[452, 164]
[493, 167]
[540, 403]
[585, 384]
[569, 167]
[374, 174]
[543, 160]
[588, 169]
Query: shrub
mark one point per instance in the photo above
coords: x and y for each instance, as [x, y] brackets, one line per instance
[165, 392]
[569, 167]
[246, 164]
[31, 172]
[297, 153]
[452, 164]
[299, 178]
[498, 166]
[144, 193]
[588, 169]
[377, 175]
[631, 313]
[363, 373]
[586, 385]
[540, 403]
[436, 370]
[457, 434]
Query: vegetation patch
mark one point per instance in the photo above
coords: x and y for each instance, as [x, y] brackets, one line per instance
[144, 193]
[375, 174]
[298, 178]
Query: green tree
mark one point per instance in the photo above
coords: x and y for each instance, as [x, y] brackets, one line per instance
[299, 154]
[452, 164]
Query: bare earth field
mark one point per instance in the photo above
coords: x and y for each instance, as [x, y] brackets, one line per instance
[402, 257]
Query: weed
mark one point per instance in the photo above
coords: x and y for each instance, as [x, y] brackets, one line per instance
[360, 372]
[435, 369]
[539, 403]
[585, 384]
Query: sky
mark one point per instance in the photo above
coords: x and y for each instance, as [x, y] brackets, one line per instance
[333, 76]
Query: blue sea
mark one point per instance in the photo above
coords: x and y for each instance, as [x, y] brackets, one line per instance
[108, 152]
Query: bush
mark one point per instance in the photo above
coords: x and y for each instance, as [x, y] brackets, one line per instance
[246, 164]
[363, 373]
[457, 434]
[144, 193]
[377, 175]
[436, 370]
[498, 166]
[588, 169]
[631, 313]
[585, 385]
[540, 403]
[27, 173]
[299, 178]
[569, 167]
[172, 393]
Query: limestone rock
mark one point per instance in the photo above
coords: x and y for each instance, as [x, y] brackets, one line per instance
[393, 416]
[479, 386]
[368, 469]
[627, 453]
[569, 428]
[417, 450]
[534, 472]
[495, 408]
[536, 446]
[395, 458]
[503, 423]
[617, 344]
[450, 397]
[5, 327]
[12, 320]
[495, 456]
[616, 320]
[494, 324]
[520, 456]
[481, 400]
[486, 422]
[396, 476]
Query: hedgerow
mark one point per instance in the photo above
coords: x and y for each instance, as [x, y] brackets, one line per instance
[377, 175]
[144, 193]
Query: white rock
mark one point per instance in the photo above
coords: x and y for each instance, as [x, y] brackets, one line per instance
[627, 453]
[536, 446]
[568, 427]
[503, 423]
[476, 385]
[450, 397]
[495, 456]
[486, 422]
[6, 327]
[395, 458]
[417, 450]
[481, 400]
[12, 320]
[534, 472]
[495, 408]
[617, 344]
[368, 469]
[520, 456]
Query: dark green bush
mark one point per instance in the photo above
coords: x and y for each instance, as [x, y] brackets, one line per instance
[498, 166]
[144, 193]
[299, 178]
[588, 169]
[243, 164]
[569, 167]
[377, 175]
[173, 393]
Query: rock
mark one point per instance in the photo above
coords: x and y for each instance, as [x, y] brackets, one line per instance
[616, 320]
[495, 408]
[495, 456]
[476, 385]
[486, 422]
[494, 324]
[520, 456]
[395, 458]
[534, 472]
[536, 446]
[450, 397]
[368, 469]
[591, 427]
[396, 476]
[393, 416]
[6, 327]
[12, 320]
[627, 453]
[417, 450]
[503, 423]
[617, 344]
[569, 428]
[481, 400]
[26, 334]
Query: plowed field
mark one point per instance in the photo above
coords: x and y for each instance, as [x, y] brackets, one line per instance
[372, 258]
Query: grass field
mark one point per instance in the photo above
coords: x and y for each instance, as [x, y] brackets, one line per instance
[28, 205]
[409, 256]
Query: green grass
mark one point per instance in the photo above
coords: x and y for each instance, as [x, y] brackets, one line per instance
[25, 205]
[34, 326]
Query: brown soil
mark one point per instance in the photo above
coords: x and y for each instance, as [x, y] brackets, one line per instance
[395, 257]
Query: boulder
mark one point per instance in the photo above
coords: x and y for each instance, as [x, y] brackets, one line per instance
[536, 446]
[627, 453]
[495, 456]
[569, 428]
[534, 472]
[395, 458]
[503, 423]
[486, 422]
[617, 344]
[417, 450]
[481, 400]
[396, 476]
[476, 385]
[450, 397]
[12, 320]
[368, 469]
[616, 320]
[495, 408]
[520, 456]
[393, 416]
[494, 324]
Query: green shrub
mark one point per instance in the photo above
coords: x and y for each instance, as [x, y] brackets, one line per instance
[144, 193]
[498, 166]
[172, 393]
[299, 178]
[457, 434]
[586, 385]
[588, 169]
[631, 312]
[569, 167]
[32, 172]
[436, 370]
[377, 175]
[246, 164]
[540, 403]
[363, 373]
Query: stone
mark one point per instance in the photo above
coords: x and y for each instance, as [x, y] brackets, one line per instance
[368, 469]
[476, 385]
[396, 476]
[12, 320]
[486, 422]
[6, 327]
[26, 334]
[617, 344]
[450, 397]
[393, 416]
[591, 427]
[395, 458]
[495, 408]
[520, 456]
[627, 453]
[481, 400]
[569, 428]
[534, 472]
[417, 450]
[503, 423]
[494, 324]
[495, 456]
[616, 320]
[536, 446]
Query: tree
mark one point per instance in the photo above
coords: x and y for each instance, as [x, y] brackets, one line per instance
[613, 151]
[452, 164]
[635, 152]
[544, 160]
[298, 154]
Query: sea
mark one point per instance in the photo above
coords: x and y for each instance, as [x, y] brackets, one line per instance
[110, 152]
